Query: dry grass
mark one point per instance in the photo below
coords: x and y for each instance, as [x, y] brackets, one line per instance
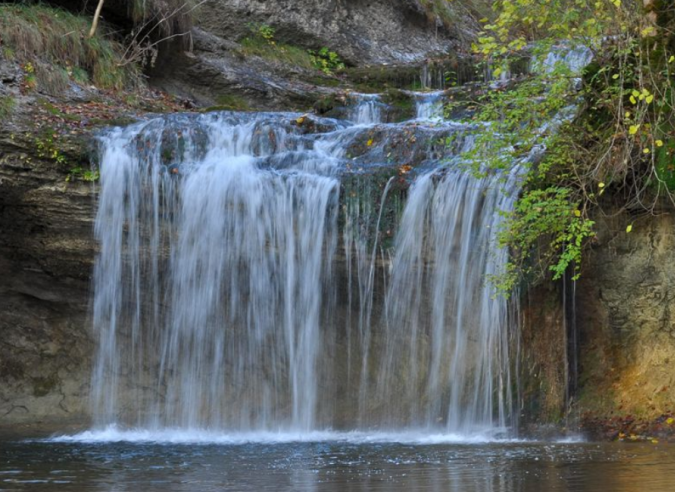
[52, 46]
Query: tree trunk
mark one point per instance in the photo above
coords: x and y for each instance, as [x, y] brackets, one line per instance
[97, 15]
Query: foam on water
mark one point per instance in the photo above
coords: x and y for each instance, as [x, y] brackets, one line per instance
[422, 437]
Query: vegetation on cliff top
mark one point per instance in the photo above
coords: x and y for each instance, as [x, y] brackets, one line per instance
[51, 46]
[620, 138]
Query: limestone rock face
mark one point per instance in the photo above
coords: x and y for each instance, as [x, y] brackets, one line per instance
[46, 256]
[217, 70]
[374, 31]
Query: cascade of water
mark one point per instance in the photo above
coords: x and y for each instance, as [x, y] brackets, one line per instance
[211, 271]
[219, 301]
[429, 106]
[447, 347]
[575, 59]
[368, 109]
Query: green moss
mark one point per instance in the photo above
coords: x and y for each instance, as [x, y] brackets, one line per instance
[280, 52]
[119, 121]
[361, 198]
[403, 104]
[232, 102]
[324, 81]
[326, 104]
[376, 78]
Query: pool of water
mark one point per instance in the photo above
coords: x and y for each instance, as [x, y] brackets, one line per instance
[357, 462]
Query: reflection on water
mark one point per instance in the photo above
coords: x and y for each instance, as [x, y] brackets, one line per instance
[336, 466]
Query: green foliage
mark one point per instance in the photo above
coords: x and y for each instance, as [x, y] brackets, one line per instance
[79, 173]
[263, 31]
[46, 146]
[325, 60]
[7, 104]
[543, 214]
[621, 138]
[262, 43]
[545, 232]
[549, 226]
[52, 47]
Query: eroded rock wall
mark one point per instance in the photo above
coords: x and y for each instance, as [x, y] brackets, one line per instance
[626, 318]
[46, 255]
[374, 31]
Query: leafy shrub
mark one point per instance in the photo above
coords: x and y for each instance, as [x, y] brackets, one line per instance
[325, 60]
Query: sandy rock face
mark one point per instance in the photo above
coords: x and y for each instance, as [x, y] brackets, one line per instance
[626, 319]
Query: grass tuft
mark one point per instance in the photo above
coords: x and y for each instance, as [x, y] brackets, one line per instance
[52, 46]
[7, 104]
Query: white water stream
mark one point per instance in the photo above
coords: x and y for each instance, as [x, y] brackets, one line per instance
[236, 291]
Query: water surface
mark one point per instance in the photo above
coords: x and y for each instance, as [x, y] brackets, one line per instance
[324, 462]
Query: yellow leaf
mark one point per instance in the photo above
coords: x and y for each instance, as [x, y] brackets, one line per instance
[627, 114]
[659, 143]
[497, 72]
[577, 213]
[646, 151]
[670, 421]
[300, 120]
[615, 76]
[671, 59]
[648, 31]
[649, 99]
[629, 228]
[633, 129]
[635, 93]
[601, 185]
[633, 100]
[655, 441]
[370, 142]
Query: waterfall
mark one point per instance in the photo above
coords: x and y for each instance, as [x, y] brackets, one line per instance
[429, 106]
[443, 321]
[264, 272]
[368, 109]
